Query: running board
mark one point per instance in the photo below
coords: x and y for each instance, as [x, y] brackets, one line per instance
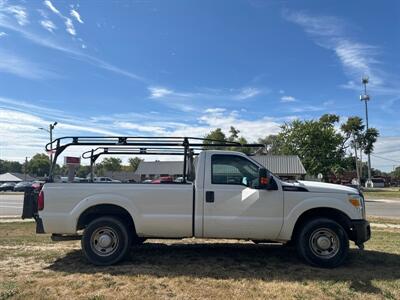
[61, 237]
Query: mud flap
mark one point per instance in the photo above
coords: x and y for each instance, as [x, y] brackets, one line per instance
[30, 208]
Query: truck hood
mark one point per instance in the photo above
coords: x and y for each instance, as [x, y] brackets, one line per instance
[322, 187]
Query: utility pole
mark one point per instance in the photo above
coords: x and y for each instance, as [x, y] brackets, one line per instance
[50, 131]
[365, 97]
[26, 165]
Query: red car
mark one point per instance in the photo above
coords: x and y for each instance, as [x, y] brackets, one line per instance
[37, 185]
[164, 179]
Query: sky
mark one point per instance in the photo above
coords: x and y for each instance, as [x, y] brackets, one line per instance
[183, 68]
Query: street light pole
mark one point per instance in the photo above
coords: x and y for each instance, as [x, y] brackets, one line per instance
[365, 97]
[50, 131]
[51, 127]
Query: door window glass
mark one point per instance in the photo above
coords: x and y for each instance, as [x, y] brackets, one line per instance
[233, 169]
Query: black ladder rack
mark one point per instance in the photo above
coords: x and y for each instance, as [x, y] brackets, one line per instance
[125, 145]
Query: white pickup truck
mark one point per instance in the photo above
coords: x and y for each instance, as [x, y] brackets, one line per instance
[230, 196]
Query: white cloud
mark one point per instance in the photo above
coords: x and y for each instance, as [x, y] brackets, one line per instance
[48, 25]
[23, 119]
[70, 26]
[50, 43]
[13, 64]
[76, 15]
[329, 32]
[140, 127]
[387, 153]
[288, 99]
[247, 93]
[3, 34]
[51, 7]
[215, 110]
[159, 92]
[17, 11]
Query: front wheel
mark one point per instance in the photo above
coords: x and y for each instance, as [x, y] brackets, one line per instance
[106, 241]
[323, 243]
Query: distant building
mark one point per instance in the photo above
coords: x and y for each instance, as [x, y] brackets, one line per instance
[123, 176]
[15, 177]
[285, 166]
[156, 169]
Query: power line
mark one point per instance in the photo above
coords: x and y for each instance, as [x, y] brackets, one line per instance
[377, 156]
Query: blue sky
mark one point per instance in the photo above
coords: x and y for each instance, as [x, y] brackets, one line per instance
[186, 67]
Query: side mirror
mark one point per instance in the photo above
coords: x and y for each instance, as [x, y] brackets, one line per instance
[264, 179]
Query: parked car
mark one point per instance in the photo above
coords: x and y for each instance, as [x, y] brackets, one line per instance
[22, 186]
[8, 186]
[163, 179]
[38, 184]
[105, 180]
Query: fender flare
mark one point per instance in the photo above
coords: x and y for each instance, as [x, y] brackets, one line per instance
[291, 217]
[105, 198]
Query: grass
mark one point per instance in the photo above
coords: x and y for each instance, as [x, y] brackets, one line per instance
[31, 266]
[384, 193]
[384, 220]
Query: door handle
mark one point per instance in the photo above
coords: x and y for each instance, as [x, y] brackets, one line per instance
[209, 196]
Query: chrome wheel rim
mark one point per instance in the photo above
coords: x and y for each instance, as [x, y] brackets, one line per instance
[324, 243]
[104, 241]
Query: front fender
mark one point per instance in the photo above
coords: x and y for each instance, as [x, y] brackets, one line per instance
[294, 209]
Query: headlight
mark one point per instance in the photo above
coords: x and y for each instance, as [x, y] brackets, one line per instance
[356, 201]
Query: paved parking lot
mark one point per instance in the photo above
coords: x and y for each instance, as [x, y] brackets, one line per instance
[11, 205]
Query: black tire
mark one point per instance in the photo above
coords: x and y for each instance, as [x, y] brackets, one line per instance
[106, 241]
[323, 243]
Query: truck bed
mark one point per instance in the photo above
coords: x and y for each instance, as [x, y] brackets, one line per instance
[158, 209]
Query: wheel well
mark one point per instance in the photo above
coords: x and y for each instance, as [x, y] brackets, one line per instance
[323, 212]
[102, 210]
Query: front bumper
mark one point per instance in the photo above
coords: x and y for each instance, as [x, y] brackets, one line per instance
[360, 231]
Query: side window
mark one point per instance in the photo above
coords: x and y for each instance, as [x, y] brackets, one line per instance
[233, 169]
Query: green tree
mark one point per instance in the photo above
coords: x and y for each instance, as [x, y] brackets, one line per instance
[217, 136]
[272, 143]
[10, 166]
[134, 163]
[39, 165]
[234, 134]
[369, 139]
[316, 142]
[396, 173]
[83, 171]
[112, 164]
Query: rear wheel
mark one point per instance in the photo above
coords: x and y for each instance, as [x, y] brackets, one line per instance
[106, 241]
[323, 242]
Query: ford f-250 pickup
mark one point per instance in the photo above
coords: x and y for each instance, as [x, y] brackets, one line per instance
[229, 196]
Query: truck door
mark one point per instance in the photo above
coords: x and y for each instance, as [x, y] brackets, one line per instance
[232, 208]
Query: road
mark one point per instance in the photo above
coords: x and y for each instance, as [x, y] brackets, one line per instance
[11, 205]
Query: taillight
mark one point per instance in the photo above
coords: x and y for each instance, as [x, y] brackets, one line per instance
[40, 201]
